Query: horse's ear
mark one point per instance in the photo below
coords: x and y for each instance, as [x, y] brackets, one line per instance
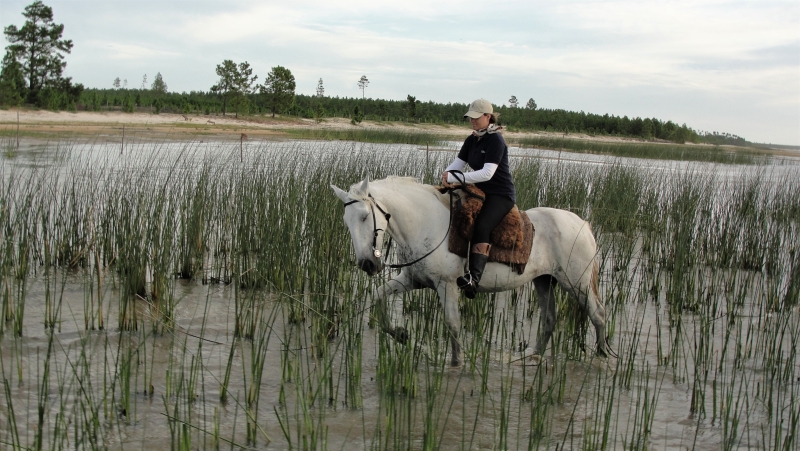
[363, 190]
[341, 194]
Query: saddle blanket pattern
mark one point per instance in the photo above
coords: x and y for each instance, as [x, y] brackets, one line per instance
[511, 241]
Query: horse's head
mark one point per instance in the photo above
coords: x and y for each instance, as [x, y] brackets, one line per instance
[367, 223]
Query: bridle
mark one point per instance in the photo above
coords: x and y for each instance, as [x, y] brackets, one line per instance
[377, 252]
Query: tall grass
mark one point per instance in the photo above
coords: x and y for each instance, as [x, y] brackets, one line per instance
[370, 135]
[184, 292]
[647, 150]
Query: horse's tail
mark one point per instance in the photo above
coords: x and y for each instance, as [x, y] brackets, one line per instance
[595, 279]
[595, 282]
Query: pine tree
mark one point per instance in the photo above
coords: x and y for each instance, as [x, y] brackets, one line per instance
[363, 82]
[38, 47]
[278, 89]
[159, 86]
[411, 106]
[12, 82]
[234, 81]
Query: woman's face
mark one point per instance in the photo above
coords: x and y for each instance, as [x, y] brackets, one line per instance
[480, 123]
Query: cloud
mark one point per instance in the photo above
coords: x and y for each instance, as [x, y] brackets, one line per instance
[623, 43]
[123, 51]
[690, 54]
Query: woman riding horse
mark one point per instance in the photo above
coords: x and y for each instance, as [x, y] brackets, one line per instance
[486, 152]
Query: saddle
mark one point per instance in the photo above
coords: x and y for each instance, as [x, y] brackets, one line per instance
[511, 240]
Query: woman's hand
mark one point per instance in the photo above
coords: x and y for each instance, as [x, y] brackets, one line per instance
[445, 183]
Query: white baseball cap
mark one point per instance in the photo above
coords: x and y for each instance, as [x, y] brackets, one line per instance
[478, 108]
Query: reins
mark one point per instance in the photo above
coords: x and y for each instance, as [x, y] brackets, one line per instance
[374, 203]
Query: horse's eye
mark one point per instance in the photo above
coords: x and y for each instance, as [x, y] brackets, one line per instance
[364, 218]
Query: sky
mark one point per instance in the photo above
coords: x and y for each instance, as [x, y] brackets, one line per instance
[725, 66]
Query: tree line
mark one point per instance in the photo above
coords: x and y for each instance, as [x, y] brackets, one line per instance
[32, 68]
[216, 102]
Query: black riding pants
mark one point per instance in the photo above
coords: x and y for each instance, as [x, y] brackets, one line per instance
[495, 208]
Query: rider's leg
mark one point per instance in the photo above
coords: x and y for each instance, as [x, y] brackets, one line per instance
[494, 209]
[478, 256]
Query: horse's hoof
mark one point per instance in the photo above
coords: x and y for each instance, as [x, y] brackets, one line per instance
[535, 359]
[400, 334]
[606, 353]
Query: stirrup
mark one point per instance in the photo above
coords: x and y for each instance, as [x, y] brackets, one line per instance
[467, 285]
[465, 281]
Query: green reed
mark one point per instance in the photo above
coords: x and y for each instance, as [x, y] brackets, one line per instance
[258, 351]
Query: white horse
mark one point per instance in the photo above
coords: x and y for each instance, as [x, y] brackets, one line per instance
[416, 216]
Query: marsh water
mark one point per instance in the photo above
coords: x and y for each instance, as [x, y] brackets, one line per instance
[707, 356]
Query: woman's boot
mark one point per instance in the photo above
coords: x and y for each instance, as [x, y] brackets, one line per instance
[478, 256]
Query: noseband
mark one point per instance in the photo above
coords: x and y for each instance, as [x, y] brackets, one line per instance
[377, 252]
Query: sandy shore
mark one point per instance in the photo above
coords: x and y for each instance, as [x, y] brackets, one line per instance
[42, 122]
[110, 126]
[178, 126]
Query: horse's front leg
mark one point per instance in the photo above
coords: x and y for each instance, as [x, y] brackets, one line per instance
[380, 296]
[448, 298]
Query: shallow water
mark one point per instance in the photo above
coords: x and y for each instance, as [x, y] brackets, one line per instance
[142, 152]
[461, 413]
[494, 400]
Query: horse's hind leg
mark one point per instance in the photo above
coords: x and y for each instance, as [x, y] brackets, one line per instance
[547, 310]
[588, 296]
[448, 298]
[597, 314]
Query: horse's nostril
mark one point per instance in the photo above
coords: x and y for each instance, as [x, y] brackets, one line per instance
[367, 266]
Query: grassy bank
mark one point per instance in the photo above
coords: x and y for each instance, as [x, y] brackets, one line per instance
[385, 135]
[652, 151]
[96, 127]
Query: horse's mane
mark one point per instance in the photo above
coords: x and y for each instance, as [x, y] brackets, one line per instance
[389, 182]
[395, 182]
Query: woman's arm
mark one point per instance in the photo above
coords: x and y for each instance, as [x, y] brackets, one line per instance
[457, 165]
[481, 175]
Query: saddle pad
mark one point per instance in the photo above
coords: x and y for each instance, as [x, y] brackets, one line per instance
[511, 240]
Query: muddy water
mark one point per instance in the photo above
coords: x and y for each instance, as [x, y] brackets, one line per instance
[203, 331]
[483, 404]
